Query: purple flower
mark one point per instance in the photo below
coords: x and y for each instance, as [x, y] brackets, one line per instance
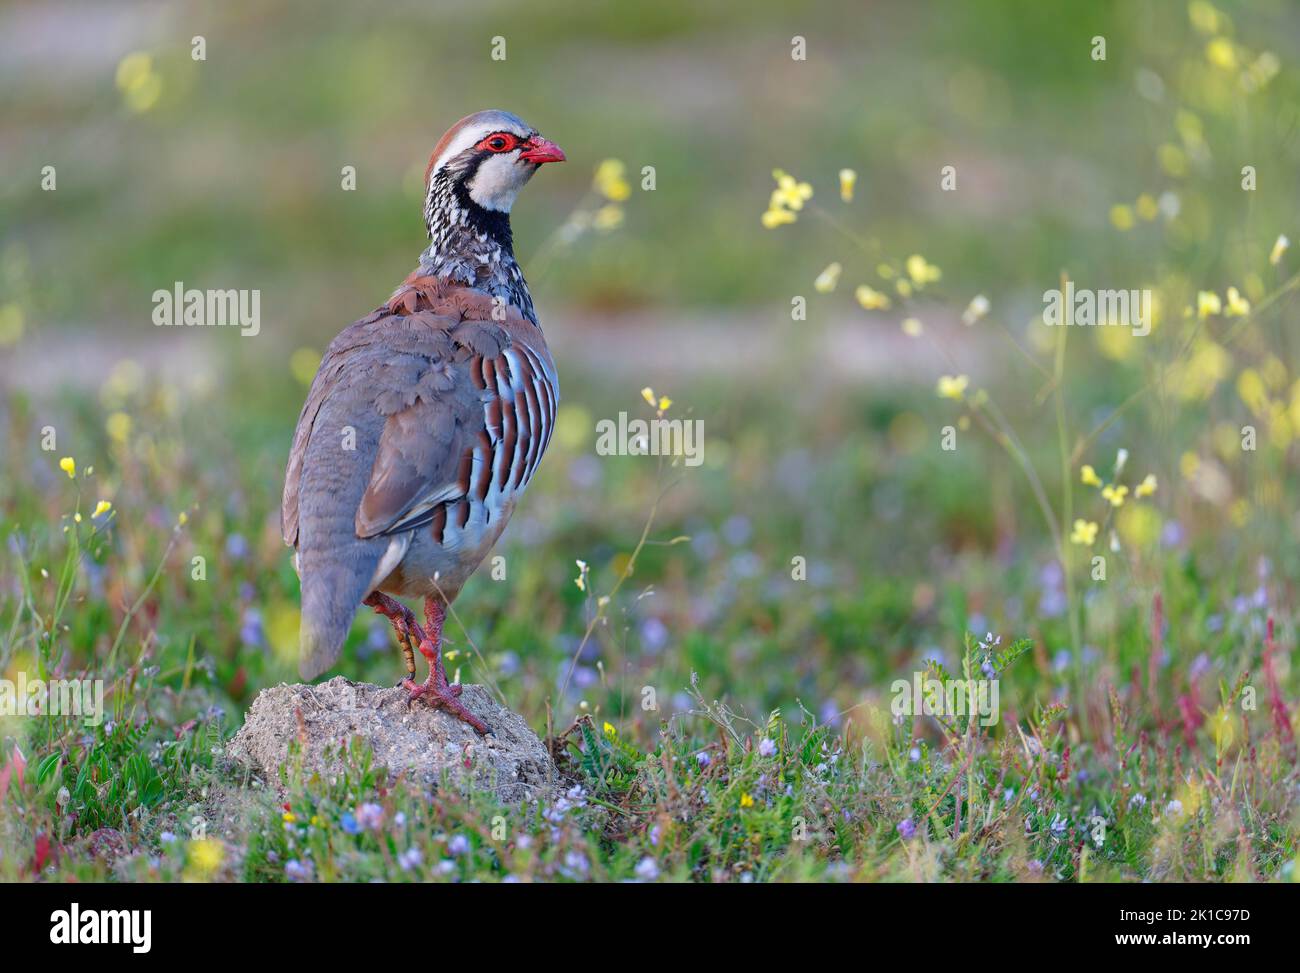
[409, 859]
[647, 869]
[703, 759]
[907, 829]
[370, 816]
[297, 871]
[766, 747]
[458, 845]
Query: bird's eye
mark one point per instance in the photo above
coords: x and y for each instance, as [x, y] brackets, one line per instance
[501, 142]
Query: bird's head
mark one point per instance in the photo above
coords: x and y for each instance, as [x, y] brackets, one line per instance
[487, 157]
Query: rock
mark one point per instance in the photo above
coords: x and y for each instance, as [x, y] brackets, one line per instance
[421, 741]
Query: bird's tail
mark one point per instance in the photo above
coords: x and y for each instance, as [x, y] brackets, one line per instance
[336, 566]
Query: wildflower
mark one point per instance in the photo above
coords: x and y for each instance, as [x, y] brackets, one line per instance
[1174, 808]
[289, 817]
[912, 327]
[458, 845]
[1279, 249]
[647, 869]
[1207, 303]
[101, 508]
[976, 309]
[1146, 487]
[1137, 801]
[906, 829]
[953, 386]
[1221, 53]
[610, 181]
[349, 823]
[773, 218]
[789, 192]
[1115, 494]
[1237, 305]
[827, 279]
[871, 299]
[746, 800]
[1121, 458]
[1147, 207]
[610, 731]
[370, 816]
[848, 179]
[1085, 533]
[1088, 476]
[409, 859]
[766, 747]
[608, 217]
[1121, 217]
[68, 465]
[1058, 826]
[581, 579]
[576, 861]
[296, 871]
[922, 272]
[206, 855]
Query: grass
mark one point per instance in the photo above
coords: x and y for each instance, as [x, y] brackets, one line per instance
[719, 687]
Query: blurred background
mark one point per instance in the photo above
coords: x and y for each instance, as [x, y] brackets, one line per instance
[822, 434]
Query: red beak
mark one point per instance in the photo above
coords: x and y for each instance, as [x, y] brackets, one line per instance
[538, 150]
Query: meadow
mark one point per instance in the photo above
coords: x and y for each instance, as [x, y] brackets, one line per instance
[905, 472]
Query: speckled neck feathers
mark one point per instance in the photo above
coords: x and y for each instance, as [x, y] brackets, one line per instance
[472, 245]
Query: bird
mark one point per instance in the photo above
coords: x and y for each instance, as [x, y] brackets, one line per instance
[426, 419]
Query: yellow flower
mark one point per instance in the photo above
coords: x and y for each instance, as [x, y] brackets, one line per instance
[608, 217]
[664, 403]
[1115, 494]
[921, 272]
[848, 179]
[1237, 305]
[827, 279]
[1147, 207]
[183, 519]
[1088, 476]
[118, 426]
[871, 299]
[205, 856]
[789, 192]
[609, 730]
[68, 465]
[1121, 217]
[648, 394]
[1146, 487]
[1085, 533]
[76, 517]
[1279, 248]
[912, 327]
[1207, 303]
[610, 182]
[1221, 53]
[953, 386]
[976, 309]
[289, 817]
[102, 508]
[773, 218]
[746, 800]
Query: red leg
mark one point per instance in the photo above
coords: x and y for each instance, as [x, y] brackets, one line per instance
[404, 624]
[436, 689]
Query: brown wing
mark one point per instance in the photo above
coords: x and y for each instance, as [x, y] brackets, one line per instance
[444, 443]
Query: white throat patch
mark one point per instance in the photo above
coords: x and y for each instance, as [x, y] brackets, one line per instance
[498, 181]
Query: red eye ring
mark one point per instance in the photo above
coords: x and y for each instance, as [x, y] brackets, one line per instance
[498, 142]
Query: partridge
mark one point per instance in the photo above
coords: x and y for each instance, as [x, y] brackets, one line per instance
[427, 419]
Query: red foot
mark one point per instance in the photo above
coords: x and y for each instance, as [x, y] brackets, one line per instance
[440, 695]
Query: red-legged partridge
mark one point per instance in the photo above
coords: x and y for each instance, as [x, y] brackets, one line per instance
[428, 418]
